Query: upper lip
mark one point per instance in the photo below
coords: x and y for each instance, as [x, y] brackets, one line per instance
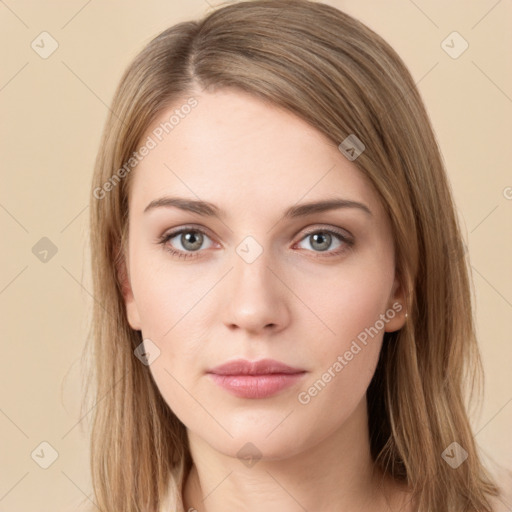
[261, 367]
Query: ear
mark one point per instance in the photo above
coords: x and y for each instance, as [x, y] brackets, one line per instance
[396, 307]
[132, 312]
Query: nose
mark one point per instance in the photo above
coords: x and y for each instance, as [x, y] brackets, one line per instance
[257, 298]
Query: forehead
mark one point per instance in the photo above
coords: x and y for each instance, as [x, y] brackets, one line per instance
[233, 148]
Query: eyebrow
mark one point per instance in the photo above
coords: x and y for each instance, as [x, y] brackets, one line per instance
[207, 209]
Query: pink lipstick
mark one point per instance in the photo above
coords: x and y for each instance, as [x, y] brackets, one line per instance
[256, 379]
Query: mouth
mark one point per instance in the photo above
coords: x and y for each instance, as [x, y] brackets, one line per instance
[258, 379]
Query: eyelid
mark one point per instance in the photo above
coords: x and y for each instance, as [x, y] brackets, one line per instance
[185, 227]
[318, 227]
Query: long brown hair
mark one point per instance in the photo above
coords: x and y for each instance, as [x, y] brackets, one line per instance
[342, 78]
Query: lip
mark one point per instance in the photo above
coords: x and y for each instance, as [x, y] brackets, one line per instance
[255, 379]
[260, 367]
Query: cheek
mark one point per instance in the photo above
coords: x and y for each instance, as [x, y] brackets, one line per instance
[349, 305]
[166, 296]
[345, 360]
[169, 305]
[346, 352]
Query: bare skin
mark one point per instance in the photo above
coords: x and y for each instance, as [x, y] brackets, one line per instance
[302, 301]
[385, 494]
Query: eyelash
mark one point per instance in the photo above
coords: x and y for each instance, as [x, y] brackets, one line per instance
[180, 254]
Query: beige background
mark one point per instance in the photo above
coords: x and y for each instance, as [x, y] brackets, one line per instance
[53, 111]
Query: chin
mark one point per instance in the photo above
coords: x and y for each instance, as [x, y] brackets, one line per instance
[255, 443]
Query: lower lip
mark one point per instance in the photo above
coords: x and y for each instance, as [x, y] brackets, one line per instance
[256, 386]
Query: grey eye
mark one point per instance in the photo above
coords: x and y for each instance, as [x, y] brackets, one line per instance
[191, 240]
[321, 240]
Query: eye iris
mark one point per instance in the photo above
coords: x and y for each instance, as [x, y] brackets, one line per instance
[324, 237]
[192, 237]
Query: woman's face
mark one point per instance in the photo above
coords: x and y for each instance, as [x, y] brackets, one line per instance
[314, 291]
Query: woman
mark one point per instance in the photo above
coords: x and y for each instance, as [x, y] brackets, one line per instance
[285, 319]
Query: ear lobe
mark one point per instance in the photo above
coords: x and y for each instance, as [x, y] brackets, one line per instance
[132, 312]
[396, 308]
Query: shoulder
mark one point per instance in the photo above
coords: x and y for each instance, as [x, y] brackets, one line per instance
[503, 478]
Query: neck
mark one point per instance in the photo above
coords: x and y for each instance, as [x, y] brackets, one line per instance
[335, 474]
